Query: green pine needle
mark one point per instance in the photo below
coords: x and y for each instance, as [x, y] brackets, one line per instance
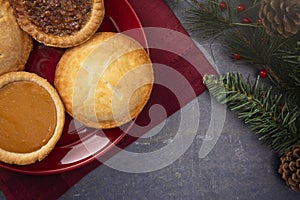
[279, 56]
[273, 121]
[210, 17]
[254, 45]
[276, 125]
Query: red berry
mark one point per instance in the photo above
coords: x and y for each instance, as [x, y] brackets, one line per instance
[223, 5]
[263, 73]
[246, 20]
[240, 8]
[259, 21]
[236, 56]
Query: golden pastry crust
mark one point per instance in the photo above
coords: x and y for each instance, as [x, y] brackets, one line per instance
[38, 155]
[106, 81]
[16, 45]
[93, 22]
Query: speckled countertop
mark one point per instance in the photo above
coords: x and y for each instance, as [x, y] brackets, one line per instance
[237, 167]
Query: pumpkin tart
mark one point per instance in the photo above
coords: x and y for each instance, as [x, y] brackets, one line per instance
[31, 118]
[59, 23]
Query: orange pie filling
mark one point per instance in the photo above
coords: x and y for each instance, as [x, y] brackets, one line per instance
[27, 119]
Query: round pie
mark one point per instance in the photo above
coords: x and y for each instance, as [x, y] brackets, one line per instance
[31, 118]
[106, 81]
[16, 45]
[59, 23]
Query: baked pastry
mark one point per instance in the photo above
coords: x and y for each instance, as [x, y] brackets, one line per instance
[31, 118]
[59, 23]
[16, 45]
[106, 81]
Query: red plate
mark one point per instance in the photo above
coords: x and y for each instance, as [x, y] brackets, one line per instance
[79, 145]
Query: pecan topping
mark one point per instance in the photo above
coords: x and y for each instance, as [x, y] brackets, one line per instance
[59, 17]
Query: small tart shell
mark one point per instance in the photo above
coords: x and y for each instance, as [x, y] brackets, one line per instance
[40, 154]
[91, 26]
[114, 90]
[16, 44]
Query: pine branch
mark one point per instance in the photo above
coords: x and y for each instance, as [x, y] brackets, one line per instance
[291, 54]
[258, 107]
[279, 56]
[208, 20]
[285, 63]
[254, 45]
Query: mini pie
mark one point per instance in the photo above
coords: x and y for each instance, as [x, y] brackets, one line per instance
[59, 23]
[16, 45]
[106, 81]
[31, 118]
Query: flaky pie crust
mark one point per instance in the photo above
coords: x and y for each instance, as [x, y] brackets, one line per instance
[16, 44]
[66, 78]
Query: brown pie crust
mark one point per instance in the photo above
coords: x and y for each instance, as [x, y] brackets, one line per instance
[16, 44]
[40, 154]
[106, 105]
[64, 41]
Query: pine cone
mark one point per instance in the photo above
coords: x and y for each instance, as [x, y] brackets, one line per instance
[280, 17]
[290, 168]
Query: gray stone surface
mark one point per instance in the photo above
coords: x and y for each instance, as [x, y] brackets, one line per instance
[237, 167]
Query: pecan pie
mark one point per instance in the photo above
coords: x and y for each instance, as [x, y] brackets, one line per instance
[59, 23]
[106, 81]
[31, 118]
[16, 45]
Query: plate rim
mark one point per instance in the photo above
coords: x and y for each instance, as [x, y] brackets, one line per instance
[101, 152]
